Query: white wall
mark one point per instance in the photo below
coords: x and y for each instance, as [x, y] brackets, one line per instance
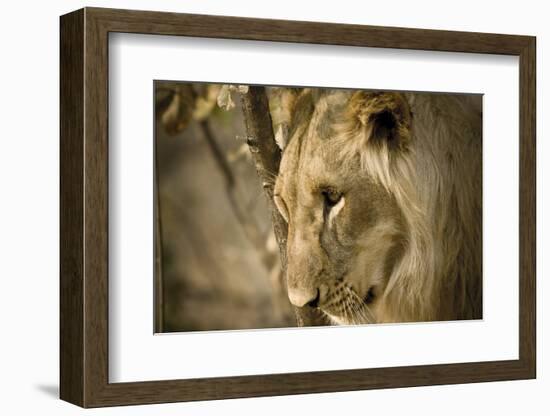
[29, 209]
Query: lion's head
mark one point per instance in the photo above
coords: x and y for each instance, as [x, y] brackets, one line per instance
[382, 195]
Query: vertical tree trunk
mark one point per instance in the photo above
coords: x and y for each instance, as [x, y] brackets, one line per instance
[267, 158]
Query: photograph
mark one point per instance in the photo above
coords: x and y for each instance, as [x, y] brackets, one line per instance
[306, 204]
[286, 206]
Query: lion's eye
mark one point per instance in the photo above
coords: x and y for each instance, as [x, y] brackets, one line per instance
[333, 204]
[331, 197]
[281, 206]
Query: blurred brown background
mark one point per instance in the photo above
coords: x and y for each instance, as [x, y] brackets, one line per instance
[219, 264]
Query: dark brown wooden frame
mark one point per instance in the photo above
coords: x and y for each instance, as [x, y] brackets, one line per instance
[84, 207]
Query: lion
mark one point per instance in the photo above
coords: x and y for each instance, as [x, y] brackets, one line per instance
[382, 194]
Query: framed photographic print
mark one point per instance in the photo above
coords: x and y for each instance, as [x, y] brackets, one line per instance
[262, 207]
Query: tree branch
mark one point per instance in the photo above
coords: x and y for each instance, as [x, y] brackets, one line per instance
[267, 158]
[250, 228]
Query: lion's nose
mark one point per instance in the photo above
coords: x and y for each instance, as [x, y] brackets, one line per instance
[304, 297]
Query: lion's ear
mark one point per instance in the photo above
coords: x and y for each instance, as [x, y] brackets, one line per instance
[384, 117]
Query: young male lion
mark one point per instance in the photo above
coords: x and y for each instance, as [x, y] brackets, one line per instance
[382, 195]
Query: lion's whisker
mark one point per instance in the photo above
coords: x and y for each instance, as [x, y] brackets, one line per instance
[359, 306]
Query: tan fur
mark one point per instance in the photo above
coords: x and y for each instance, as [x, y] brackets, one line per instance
[402, 173]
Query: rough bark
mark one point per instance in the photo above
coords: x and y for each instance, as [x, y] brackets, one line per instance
[267, 158]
